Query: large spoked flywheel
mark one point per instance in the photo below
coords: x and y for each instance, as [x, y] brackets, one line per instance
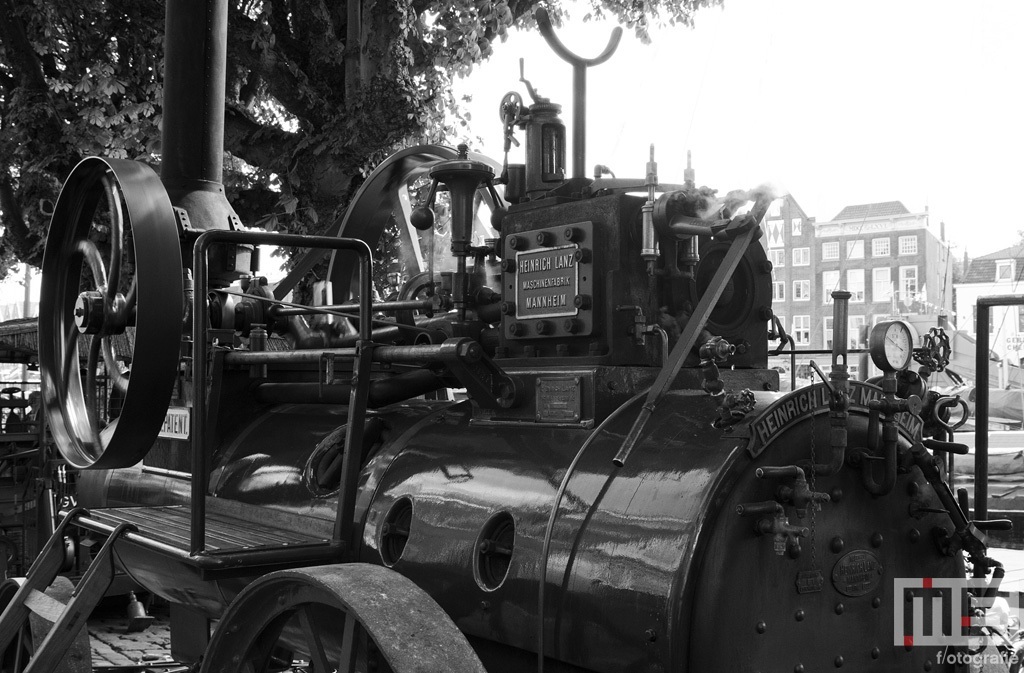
[344, 618]
[110, 314]
[386, 201]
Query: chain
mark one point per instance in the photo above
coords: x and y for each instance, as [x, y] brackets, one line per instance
[813, 504]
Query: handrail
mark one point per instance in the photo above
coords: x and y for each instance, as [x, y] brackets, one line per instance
[200, 267]
[981, 404]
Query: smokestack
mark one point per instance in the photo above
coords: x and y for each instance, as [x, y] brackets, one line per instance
[689, 175]
[195, 71]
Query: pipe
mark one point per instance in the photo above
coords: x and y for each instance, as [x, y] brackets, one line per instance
[839, 383]
[278, 311]
[382, 392]
[195, 69]
[192, 140]
[394, 354]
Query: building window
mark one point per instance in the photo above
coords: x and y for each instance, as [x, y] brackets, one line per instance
[801, 256]
[801, 329]
[830, 250]
[908, 283]
[777, 257]
[775, 209]
[798, 226]
[779, 291]
[855, 250]
[1004, 271]
[857, 332]
[855, 285]
[908, 245]
[801, 290]
[880, 247]
[881, 284]
[826, 329]
[829, 282]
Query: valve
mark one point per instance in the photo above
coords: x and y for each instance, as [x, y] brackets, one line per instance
[798, 491]
[785, 536]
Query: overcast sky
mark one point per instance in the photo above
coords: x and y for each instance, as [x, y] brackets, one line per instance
[838, 103]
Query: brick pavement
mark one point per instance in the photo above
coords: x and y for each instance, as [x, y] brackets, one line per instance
[113, 646]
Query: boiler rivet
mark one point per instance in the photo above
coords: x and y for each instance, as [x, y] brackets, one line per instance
[839, 662]
[875, 653]
[927, 665]
[913, 488]
[837, 544]
[913, 535]
[485, 605]
[799, 615]
[761, 627]
[876, 540]
[839, 608]
[799, 668]
[876, 602]
[651, 635]
[837, 494]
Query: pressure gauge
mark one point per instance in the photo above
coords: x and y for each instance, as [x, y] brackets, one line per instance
[891, 345]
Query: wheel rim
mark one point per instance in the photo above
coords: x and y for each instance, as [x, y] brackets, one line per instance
[351, 617]
[131, 306]
[385, 196]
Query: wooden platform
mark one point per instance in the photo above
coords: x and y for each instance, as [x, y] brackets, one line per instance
[170, 525]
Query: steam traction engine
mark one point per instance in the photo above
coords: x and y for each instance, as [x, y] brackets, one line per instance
[620, 489]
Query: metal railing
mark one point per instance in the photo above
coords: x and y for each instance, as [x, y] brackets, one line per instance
[983, 335]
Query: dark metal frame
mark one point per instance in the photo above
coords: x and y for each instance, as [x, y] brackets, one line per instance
[343, 529]
[981, 407]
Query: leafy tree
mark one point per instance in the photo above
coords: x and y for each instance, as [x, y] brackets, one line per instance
[318, 92]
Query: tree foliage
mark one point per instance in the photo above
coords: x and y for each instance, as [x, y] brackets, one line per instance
[318, 92]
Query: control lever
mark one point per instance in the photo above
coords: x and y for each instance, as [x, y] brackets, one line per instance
[946, 447]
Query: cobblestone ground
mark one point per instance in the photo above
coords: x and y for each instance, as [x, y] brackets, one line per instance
[112, 645]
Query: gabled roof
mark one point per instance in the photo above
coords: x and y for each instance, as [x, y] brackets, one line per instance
[868, 210]
[1012, 252]
[983, 269]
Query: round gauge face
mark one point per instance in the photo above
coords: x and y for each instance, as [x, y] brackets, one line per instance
[891, 345]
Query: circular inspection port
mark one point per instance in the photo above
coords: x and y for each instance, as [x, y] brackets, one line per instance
[394, 532]
[494, 551]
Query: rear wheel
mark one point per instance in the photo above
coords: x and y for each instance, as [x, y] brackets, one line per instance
[345, 618]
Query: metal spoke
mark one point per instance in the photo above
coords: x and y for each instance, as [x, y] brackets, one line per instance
[70, 355]
[317, 655]
[90, 386]
[116, 228]
[347, 660]
[113, 371]
[130, 299]
[92, 256]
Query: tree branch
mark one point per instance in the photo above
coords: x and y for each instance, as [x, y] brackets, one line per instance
[16, 230]
[262, 146]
